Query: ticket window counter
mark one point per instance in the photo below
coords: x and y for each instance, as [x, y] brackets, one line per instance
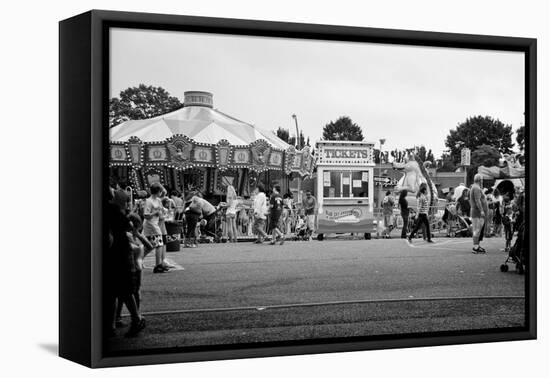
[346, 203]
[346, 184]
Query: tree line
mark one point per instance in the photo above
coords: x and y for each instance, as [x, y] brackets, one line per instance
[486, 137]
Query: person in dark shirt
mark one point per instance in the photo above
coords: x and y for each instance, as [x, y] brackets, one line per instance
[120, 196]
[309, 204]
[463, 204]
[276, 209]
[117, 272]
[404, 207]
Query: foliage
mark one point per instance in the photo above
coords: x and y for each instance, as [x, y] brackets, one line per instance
[477, 131]
[484, 155]
[283, 134]
[141, 102]
[342, 129]
[520, 138]
[446, 164]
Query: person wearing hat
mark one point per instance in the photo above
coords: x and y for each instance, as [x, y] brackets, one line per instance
[478, 211]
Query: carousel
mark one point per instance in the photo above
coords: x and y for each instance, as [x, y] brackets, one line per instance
[197, 147]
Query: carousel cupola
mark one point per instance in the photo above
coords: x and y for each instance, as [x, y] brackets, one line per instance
[198, 98]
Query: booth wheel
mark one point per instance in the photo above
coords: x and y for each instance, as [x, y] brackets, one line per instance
[504, 268]
[367, 236]
[320, 237]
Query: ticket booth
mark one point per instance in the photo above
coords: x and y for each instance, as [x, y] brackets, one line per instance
[345, 189]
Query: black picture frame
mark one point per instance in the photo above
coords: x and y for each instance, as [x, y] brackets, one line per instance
[83, 140]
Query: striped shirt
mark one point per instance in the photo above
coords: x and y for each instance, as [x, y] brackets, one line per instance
[422, 204]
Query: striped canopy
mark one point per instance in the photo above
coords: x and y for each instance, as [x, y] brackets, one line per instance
[200, 123]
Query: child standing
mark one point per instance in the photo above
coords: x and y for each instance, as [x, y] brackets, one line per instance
[152, 211]
[139, 245]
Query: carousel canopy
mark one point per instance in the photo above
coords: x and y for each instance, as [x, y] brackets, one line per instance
[198, 136]
[196, 120]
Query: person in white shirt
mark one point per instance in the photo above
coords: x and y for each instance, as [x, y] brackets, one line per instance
[260, 211]
[152, 213]
[208, 212]
[231, 213]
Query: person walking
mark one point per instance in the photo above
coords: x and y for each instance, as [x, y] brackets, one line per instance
[404, 207]
[260, 211]
[192, 215]
[275, 212]
[167, 216]
[231, 213]
[152, 211]
[478, 210]
[422, 219]
[488, 228]
[287, 213]
[309, 204]
[507, 221]
[498, 210]
[387, 210]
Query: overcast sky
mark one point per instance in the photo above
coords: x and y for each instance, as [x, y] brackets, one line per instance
[407, 95]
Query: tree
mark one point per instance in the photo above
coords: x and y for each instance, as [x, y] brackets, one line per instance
[342, 129]
[477, 131]
[430, 157]
[284, 134]
[484, 155]
[520, 138]
[141, 102]
[446, 164]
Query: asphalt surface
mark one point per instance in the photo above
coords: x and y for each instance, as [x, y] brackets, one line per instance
[241, 293]
[246, 274]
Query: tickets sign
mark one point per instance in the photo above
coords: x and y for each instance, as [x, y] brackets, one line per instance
[342, 154]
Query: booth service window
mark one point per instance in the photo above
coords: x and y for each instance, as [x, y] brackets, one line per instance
[345, 184]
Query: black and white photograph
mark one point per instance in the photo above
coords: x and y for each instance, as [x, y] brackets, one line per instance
[267, 189]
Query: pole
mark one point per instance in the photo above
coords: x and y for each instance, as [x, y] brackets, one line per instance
[297, 131]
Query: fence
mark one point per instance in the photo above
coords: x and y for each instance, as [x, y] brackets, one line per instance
[290, 219]
[244, 222]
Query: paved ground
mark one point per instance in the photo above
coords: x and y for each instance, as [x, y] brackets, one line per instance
[340, 277]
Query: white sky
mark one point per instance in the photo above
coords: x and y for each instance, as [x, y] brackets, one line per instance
[407, 95]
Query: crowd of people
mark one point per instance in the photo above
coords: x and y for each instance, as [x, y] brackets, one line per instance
[137, 228]
[279, 211]
[475, 211]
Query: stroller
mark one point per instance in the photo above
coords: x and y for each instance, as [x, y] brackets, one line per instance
[457, 224]
[211, 231]
[517, 254]
[301, 232]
